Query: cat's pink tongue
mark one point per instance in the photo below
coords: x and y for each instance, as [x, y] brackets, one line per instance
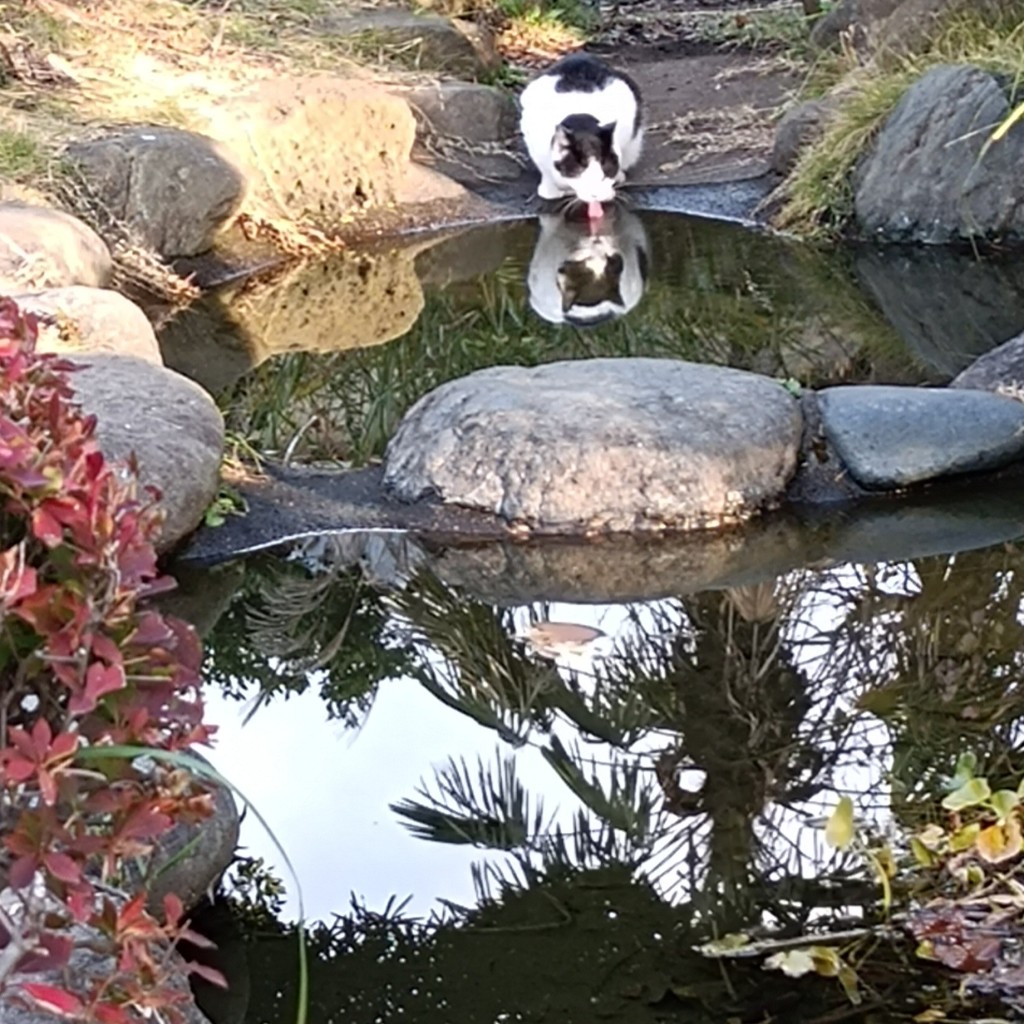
[595, 211]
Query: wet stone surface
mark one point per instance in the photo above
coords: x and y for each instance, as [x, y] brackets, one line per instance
[891, 437]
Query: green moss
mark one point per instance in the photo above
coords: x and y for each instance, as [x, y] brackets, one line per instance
[819, 192]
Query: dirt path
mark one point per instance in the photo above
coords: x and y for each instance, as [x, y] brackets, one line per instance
[713, 82]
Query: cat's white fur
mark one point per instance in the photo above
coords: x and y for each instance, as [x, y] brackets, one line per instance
[544, 109]
[561, 241]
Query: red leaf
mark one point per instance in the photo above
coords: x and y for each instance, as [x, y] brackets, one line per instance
[61, 866]
[110, 1013]
[210, 974]
[55, 1000]
[100, 680]
[22, 871]
[53, 951]
[46, 527]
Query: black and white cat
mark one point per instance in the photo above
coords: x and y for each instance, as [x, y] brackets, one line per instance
[584, 274]
[582, 124]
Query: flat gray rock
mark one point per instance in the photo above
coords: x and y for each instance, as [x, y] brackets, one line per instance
[171, 425]
[891, 437]
[175, 189]
[600, 444]
[926, 179]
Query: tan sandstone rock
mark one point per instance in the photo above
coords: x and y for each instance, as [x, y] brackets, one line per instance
[317, 149]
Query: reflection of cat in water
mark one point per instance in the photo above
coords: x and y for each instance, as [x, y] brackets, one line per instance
[587, 273]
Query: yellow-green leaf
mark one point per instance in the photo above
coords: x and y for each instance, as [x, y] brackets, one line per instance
[922, 854]
[970, 794]
[964, 771]
[839, 830]
[963, 838]
[1003, 802]
[932, 836]
[930, 1015]
[848, 979]
[827, 962]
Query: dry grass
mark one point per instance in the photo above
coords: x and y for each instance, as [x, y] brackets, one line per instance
[818, 196]
[718, 131]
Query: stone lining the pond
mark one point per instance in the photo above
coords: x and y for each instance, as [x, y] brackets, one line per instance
[44, 248]
[169, 424]
[79, 321]
[456, 46]
[173, 189]
[1002, 369]
[930, 175]
[600, 444]
[89, 963]
[891, 437]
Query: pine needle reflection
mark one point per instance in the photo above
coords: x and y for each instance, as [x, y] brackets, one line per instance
[692, 765]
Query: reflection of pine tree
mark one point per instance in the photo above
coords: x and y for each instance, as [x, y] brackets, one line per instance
[288, 627]
[741, 703]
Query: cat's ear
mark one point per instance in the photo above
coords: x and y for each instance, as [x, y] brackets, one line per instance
[560, 142]
[608, 130]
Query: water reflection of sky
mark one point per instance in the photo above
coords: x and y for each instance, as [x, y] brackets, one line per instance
[326, 791]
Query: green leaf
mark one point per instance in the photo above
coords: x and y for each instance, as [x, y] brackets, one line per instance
[1004, 802]
[973, 792]
[965, 767]
[839, 830]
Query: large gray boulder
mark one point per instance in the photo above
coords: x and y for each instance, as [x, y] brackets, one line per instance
[465, 110]
[928, 177]
[44, 248]
[78, 320]
[175, 189]
[189, 859]
[600, 444]
[171, 425]
[890, 437]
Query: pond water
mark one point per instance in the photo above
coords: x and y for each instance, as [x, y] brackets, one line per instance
[323, 358]
[489, 827]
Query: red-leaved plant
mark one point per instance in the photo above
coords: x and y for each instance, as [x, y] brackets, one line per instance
[85, 668]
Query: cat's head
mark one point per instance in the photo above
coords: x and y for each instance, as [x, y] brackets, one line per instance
[580, 277]
[584, 158]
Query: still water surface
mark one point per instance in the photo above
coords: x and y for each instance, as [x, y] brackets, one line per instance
[566, 826]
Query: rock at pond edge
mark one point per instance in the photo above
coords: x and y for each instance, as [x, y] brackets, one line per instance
[170, 423]
[600, 444]
[890, 437]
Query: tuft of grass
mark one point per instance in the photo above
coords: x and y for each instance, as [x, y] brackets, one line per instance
[540, 13]
[21, 156]
[786, 31]
[818, 196]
